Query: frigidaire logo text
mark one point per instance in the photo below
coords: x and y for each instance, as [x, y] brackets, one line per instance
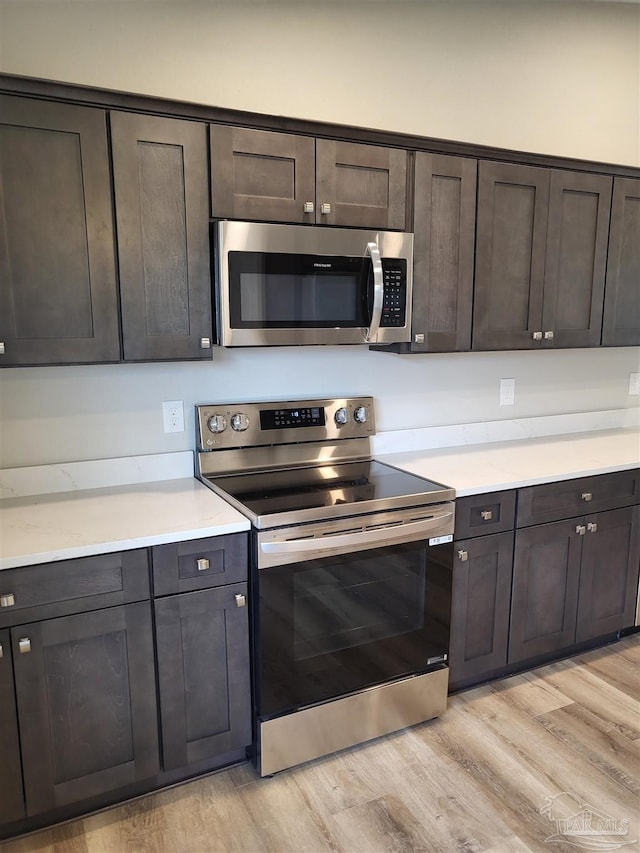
[328, 266]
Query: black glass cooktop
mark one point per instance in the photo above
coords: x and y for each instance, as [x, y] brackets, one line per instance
[353, 484]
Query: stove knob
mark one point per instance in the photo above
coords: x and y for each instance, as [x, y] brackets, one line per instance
[239, 422]
[217, 423]
[341, 416]
[361, 414]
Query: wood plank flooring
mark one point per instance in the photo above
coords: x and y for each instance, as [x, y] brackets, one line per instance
[475, 781]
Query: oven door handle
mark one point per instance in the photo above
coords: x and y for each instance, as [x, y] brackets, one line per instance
[368, 536]
[378, 292]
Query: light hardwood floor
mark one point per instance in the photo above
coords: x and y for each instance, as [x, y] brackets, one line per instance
[475, 780]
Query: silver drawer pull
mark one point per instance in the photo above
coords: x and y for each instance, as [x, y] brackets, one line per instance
[24, 645]
[203, 564]
[587, 496]
[581, 529]
[308, 207]
[240, 600]
[1, 347]
[7, 600]
[463, 555]
[537, 336]
[325, 209]
[592, 527]
[1, 651]
[205, 343]
[486, 514]
[548, 336]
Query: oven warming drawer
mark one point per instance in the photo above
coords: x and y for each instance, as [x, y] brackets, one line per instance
[313, 732]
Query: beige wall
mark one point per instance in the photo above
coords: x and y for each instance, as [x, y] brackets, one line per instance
[548, 77]
[554, 77]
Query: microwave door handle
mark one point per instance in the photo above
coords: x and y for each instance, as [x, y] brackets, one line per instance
[378, 292]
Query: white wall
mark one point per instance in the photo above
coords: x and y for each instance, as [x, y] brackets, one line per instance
[554, 77]
[549, 77]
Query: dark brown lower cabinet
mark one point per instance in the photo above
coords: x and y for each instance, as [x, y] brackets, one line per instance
[85, 687]
[480, 606]
[203, 671]
[609, 573]
[12, 806]
[573, 581]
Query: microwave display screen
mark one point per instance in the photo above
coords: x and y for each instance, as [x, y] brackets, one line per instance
[289, 291]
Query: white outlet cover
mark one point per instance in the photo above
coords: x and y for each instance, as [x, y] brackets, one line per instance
[173, 416]
[634, 383]
[507, 392]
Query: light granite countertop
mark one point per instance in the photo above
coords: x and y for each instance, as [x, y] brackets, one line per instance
[477, 469]
[91, 508]
[84, 522]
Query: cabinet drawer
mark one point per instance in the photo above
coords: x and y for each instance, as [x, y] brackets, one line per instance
[570, 498]
[199, 564]
[481, 514]
[56, 589]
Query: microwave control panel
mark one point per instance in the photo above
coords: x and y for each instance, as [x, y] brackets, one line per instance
[394, 300]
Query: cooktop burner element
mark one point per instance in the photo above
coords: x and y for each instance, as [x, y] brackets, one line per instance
[291, 462]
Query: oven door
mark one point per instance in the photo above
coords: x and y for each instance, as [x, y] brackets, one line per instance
[351, 605]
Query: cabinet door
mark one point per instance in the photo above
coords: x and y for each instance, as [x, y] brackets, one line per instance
[86, 703]
[576, 256]
[364, 185]
[546, 573]
[258, 174]
[203, 671]
[480, 605]
[58, 297]
[162, 213]
[622, 294]
[609, 574]
[444, 227]
[513, 203]
[11, 797]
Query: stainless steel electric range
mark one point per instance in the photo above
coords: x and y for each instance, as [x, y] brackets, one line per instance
[350, 589]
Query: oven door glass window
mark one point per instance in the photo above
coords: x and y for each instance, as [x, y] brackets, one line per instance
[336, 625]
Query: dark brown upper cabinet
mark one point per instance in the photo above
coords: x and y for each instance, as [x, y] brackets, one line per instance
[58, 295]
[540, 259]
[160, 175]
[444, 236]
[621, 325]
[281, 177]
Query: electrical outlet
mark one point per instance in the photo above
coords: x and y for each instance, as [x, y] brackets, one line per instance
[634, 383]
[507, 392]
[173, 416]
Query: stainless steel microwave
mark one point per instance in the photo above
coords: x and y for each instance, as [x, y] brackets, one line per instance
[287, 285]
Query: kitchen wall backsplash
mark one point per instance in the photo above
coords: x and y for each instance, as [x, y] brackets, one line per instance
[63, 414]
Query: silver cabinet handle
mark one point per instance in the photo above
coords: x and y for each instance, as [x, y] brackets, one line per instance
[1, 347]
[587, 496]
[325, 209]
[241, 600]
[203, 564]
[581, 529]
[463, 555]
[537, 336]
[24, 645]
[7, 600]
[205, 343]
[418, 338]
[592, 527]
[1, 651]
[308, 207]
[548, 336]
[486, 514]
[378, 291]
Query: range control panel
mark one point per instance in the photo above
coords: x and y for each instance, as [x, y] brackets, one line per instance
[220, 426]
